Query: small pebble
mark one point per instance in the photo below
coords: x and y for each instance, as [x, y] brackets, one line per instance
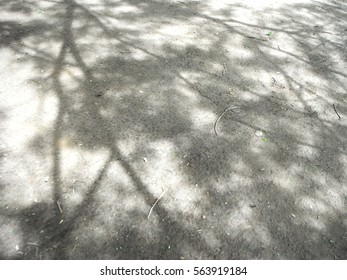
[258, 133]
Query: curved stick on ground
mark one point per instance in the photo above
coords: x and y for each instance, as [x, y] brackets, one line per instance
[155, 203]
[336, 111]
[216, 123]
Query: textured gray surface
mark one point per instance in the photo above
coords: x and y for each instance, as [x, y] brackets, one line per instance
[105, 105]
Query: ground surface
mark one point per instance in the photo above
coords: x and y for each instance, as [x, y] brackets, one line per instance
[107, 106]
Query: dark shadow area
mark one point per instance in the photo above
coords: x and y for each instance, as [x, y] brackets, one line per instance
[136, 88]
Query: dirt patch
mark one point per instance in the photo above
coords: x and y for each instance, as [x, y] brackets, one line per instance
[106, 108]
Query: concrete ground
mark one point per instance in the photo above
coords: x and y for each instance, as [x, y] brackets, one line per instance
[166, 129]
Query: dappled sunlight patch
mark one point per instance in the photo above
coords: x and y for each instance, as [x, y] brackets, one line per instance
[343, 162]
[240, 171]
[238, 180]
[75, 161]
[190, 96]
[266, 4]
[6, 63]
[126, 8]
[307, 151]
[71, 76]
[215, 6]
[178, 29]
[190, 76]
[320, 209]
[244, 16]
[126, 146]
[11, 241]
[315, 222]
[288, 179]
[211, 238]
[139, 55]
[202, 119]
[162, 175]
[180, 34]
[27, 183]
[69, 153]
[47, 111]
[318, 177]
[115, 200]
[108, 110]
[204, 43]
[240, 219]
[256, 146]
[333, 197]
[299, 137]
[43, 50]
[162, 164]
[237, 51]
[74, 195]
[313, 204]
[183, 199]
[242, 223]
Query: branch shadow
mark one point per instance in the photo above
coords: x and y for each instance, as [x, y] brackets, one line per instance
[135, 106]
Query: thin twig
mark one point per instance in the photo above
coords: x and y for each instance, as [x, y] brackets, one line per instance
[273, 80]
[255, 38]
[224, 69]
[336, 111]
[74, 247]
[155, 203]
[59, 206]
[216, 123]
[33, 244]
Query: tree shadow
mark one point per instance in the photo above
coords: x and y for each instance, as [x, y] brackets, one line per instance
[136, 90]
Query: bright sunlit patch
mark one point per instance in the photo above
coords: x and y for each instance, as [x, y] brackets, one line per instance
[11, 238]
[127, 146]
[284, 178]
[242, 222]
[271, 3]
[218, 5]
[240, 52]
[314, 205]
[211, 239]
[307, 151]
[314, 222]
[240, 219]
[189, 76]
[343, 162]
[74, 161]
[126, 8]
[202, 118]
[139, 55]
[175, 29]
[162, 162]
[162, 174]
[186, 93]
